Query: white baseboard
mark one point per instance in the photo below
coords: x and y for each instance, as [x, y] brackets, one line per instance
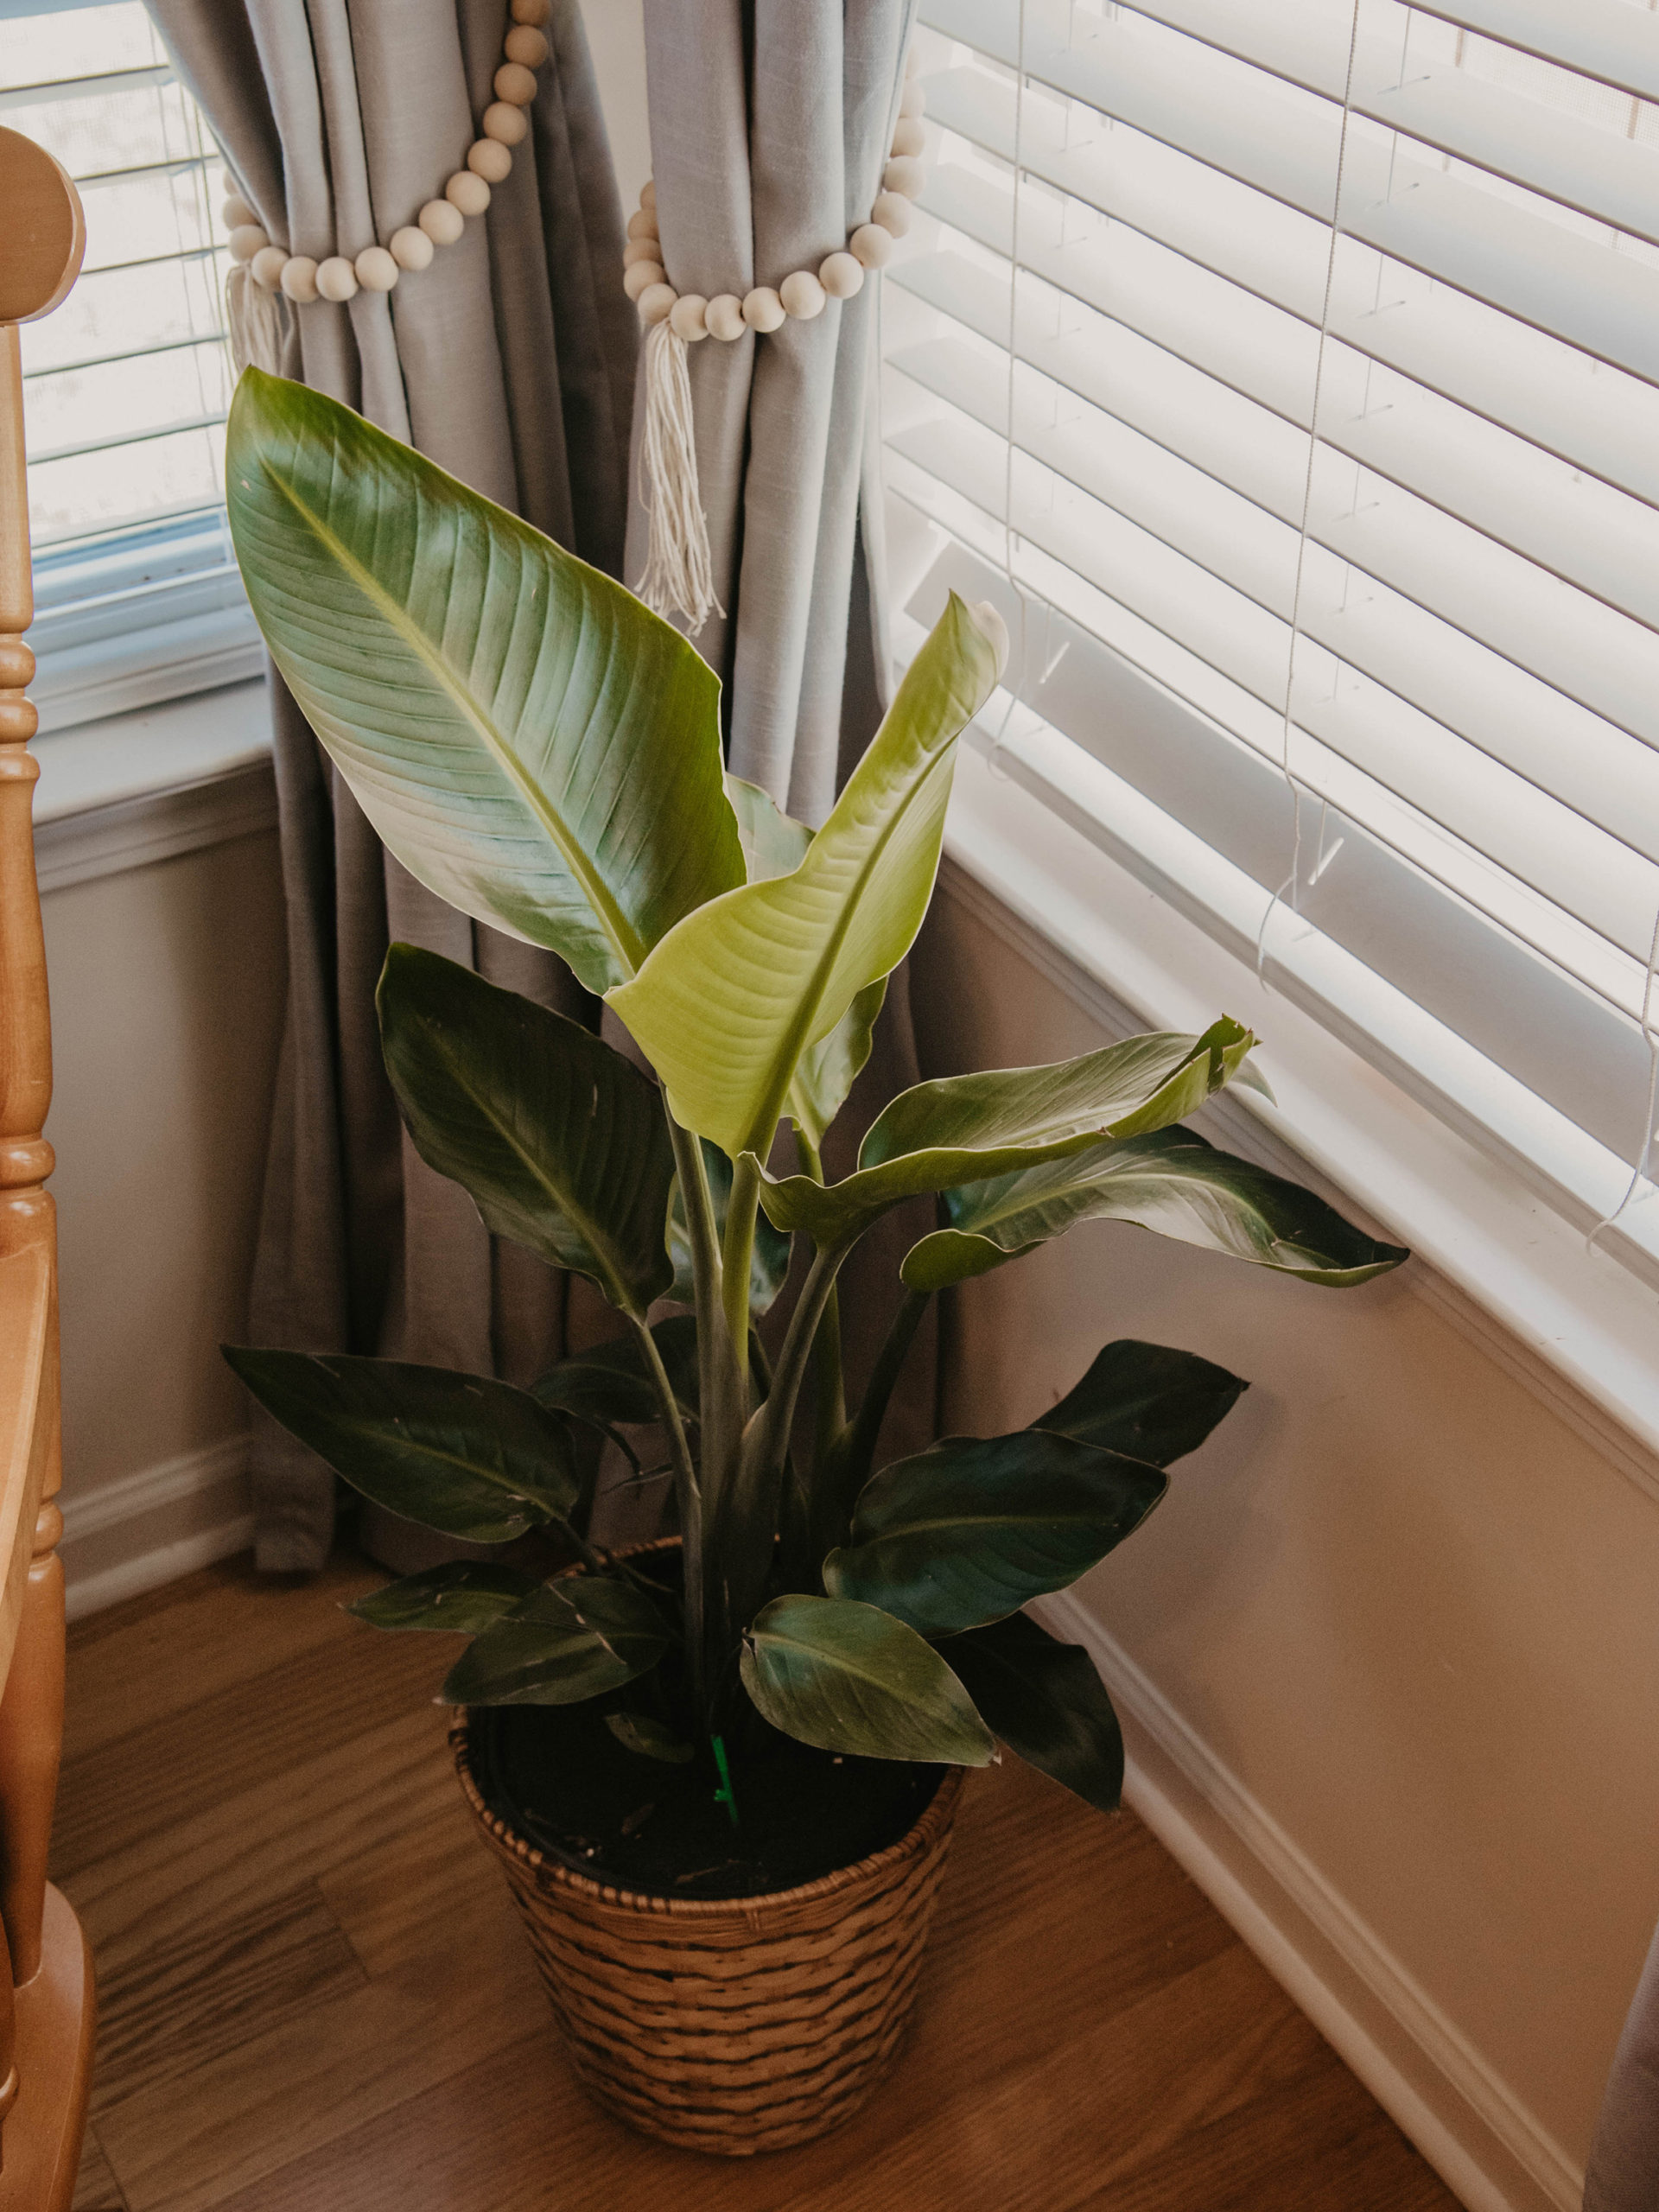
[1441, 2091]
[150, 1528]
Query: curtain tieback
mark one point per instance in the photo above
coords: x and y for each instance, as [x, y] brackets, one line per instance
[678, 576]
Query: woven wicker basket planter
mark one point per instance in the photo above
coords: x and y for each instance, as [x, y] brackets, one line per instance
[738, 2026]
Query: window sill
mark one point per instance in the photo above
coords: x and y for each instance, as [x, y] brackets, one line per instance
[1572, 1324]
[150, 784]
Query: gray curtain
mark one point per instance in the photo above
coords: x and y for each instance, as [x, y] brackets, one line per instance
[511, 362]
[770, 125]
[1624, 2170]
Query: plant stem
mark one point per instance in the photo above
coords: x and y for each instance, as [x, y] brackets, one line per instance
[768, 1436]
[691, 1505]
[737, 1259]
[878, 1392]
[828, 1377]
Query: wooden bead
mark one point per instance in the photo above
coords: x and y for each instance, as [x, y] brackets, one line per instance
[642, 224]
[531, 11]
[872, 245]
[524, 43]
[468, 192]
[762, 310]
[442, 221]
[909, 139]
[489, 158]
[891, 212]
[267, 266]
[657, 303]
[913, 104]
[410, 248]
[903, 175]
[641, 249]
[802, 295]
[246, 241]
[841, 275]
[724, 317]
[515, 83]
[508, 126]
[376, 270]
[237, 213]
[336, 278]
[648, 195]
[299, 279]
[638, 279]
[686, 317]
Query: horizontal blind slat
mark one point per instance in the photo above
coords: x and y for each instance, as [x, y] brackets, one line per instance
[1166, 488]
[1204, 105]
[1608, 176]
[1608, 905]
[1499, 486]
[1607, 40]
[1607, 425]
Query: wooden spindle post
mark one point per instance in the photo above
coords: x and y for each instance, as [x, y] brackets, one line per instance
[44, 235]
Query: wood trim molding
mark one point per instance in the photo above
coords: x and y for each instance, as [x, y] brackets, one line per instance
[1440, 2090]
[156, 825]
[150, 1528]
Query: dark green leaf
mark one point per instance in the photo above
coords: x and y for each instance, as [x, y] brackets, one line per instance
[1171, 1182]
[1145, 1401]
[610, 1382]
[533, 744]
[769, 1263]
[969, 1531]
[1046, 1702]
[571, 1640]
[966, 1127]
[463, 1596]
[461, 1453]
[561, 1141]
[851, 1679]
[638, 1731]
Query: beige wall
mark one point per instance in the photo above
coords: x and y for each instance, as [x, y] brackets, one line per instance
[1408, 1607]
[166, 985]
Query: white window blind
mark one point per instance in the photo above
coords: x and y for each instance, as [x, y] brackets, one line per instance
[1290, 373]
[128, 382]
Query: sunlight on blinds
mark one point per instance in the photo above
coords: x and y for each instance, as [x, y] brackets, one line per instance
[1137, 277]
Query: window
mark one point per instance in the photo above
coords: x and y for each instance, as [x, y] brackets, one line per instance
[128, 382]
[1313, 448]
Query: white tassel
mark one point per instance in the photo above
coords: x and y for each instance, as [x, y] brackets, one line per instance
[679, 568]
[254, 323]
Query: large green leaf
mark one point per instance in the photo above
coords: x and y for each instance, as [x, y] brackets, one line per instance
[1171, 1182]
[1147, 1400]
[1046, 1702]
[851, 1679]
[969, 1531]
[572, 1639]
[559, 1139]
[461, 1597]
[966, 1127]
[611, 1381]
[732, 998]
[533, 744]
[775, 844]
[461, 1453]
[768, 1257]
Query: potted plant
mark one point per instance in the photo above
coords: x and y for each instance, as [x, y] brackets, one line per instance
[719, 1771]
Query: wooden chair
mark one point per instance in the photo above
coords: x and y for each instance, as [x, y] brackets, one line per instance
[46, 1977]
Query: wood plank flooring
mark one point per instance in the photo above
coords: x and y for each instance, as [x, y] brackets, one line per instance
[315, 1996]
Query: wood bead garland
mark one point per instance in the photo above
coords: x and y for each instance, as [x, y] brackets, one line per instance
[262, 263]
[679, 576]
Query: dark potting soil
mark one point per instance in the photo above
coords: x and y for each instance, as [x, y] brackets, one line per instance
[559, 1778]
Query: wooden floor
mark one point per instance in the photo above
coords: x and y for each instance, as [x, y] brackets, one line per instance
[314, 1995]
